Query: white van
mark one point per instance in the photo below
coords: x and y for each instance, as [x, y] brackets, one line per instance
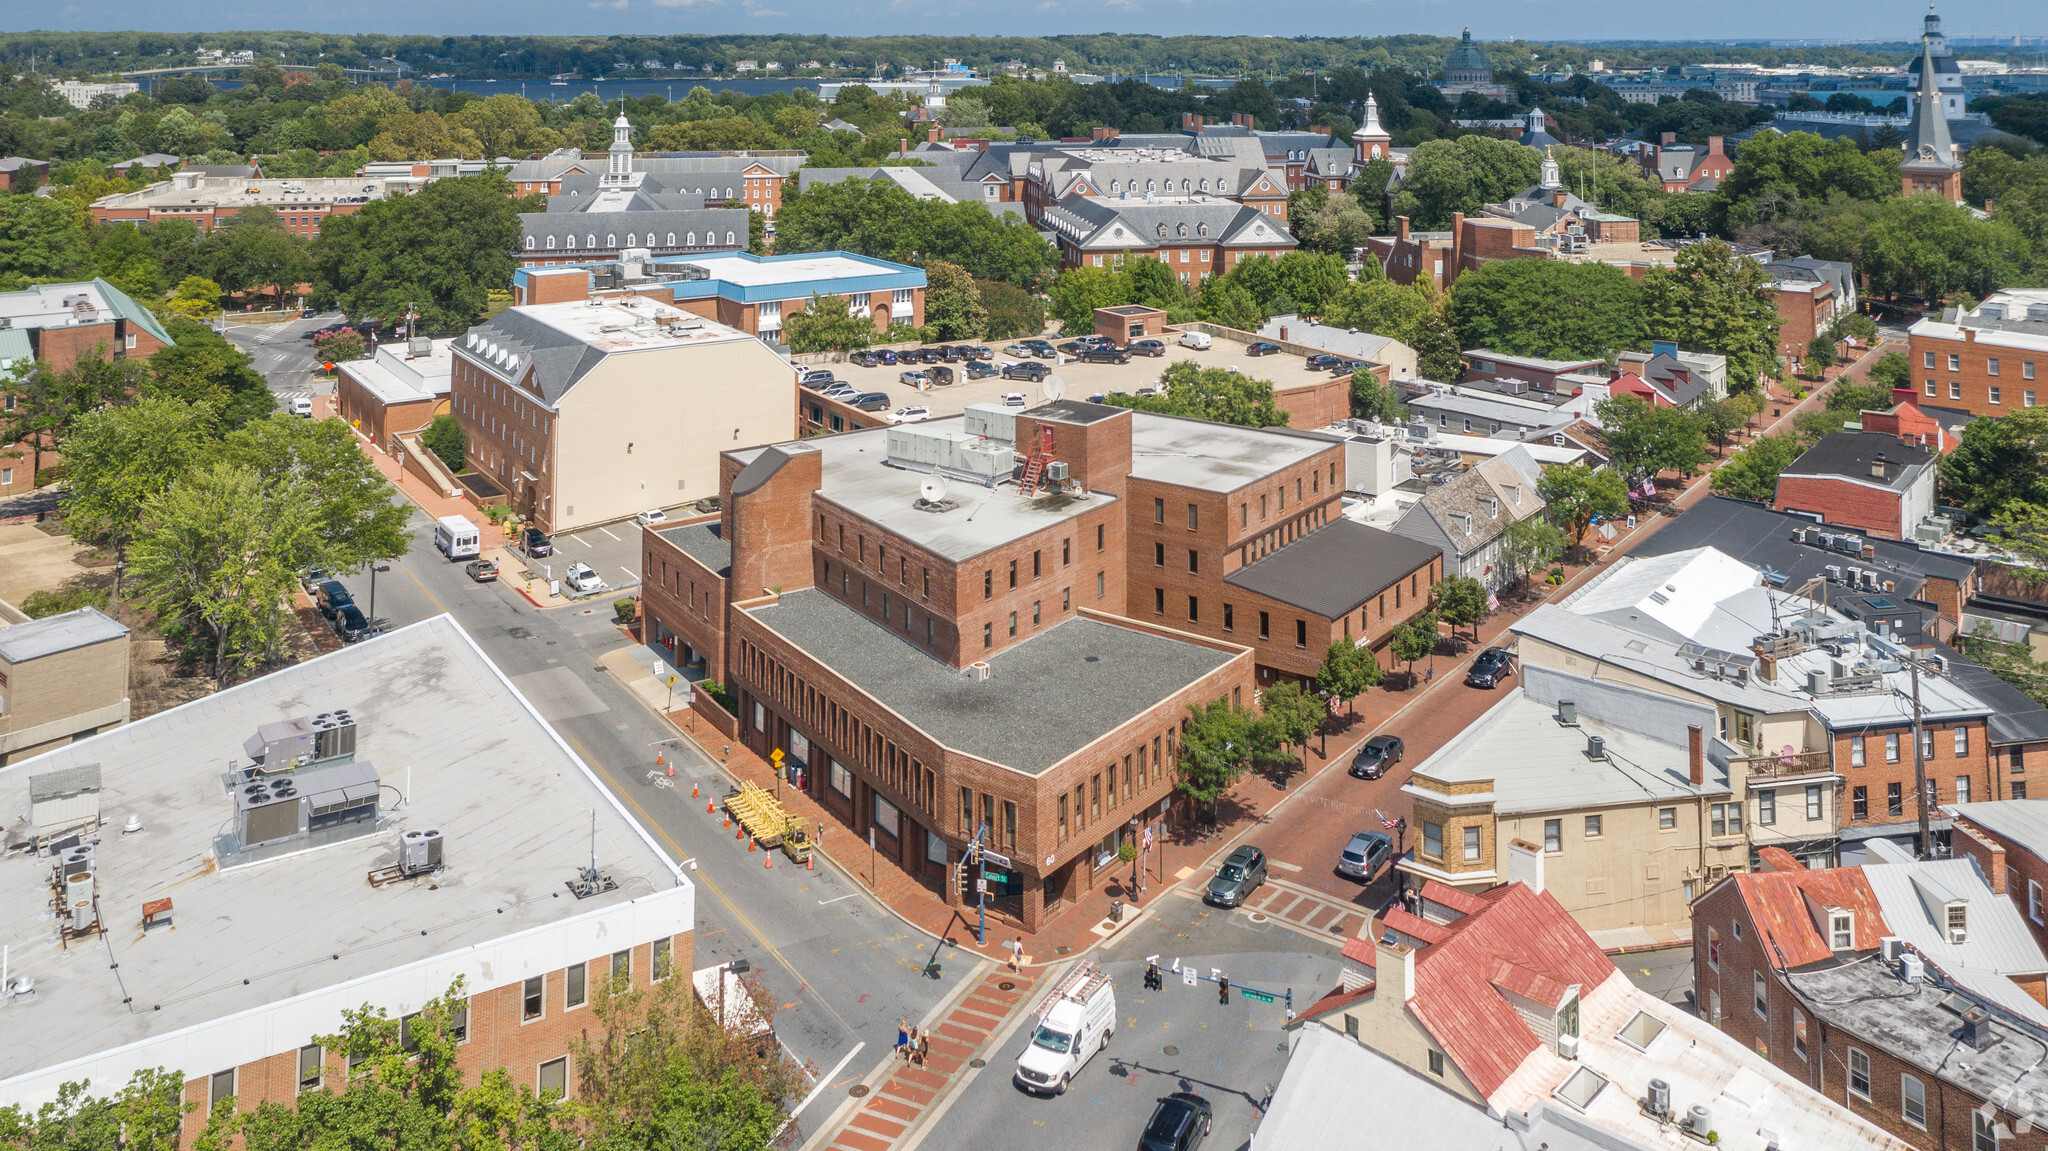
[1196, 340]
[1074, 1022]
[302, 406]
[456, 538]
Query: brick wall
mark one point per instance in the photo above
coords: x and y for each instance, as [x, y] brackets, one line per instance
[2022, 871]
[1874, 510]
[1964, 373]
[683, 604]
[1879, 773]
[1315, 402]
[1805, 312]
[505, 432]
[380, 421]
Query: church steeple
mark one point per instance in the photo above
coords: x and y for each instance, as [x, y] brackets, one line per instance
[620, 170]
[1552, 179]
[1372, 142]
[1930, 164]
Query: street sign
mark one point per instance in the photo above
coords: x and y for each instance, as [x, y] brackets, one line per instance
[1189, 976]
[981, 886]
[776, 756]
[997, 876]
[1255, 996]
[996, 858]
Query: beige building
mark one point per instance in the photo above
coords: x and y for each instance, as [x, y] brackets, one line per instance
[587, 412]
[61, 678]
[1614, 801]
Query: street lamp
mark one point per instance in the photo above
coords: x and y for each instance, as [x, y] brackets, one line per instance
[374, 569]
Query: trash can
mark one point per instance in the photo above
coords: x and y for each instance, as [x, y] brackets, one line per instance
[1116, 911]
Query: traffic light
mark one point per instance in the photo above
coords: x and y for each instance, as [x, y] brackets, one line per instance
[1223, 990]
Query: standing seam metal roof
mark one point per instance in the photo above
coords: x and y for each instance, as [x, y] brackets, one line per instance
[1332, 570]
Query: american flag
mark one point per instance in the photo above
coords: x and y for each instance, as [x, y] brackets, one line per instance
[1389, 824]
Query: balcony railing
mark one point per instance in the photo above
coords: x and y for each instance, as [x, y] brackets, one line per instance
[1782, 764]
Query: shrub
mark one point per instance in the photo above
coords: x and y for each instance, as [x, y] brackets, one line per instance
[42, 604]
[444, 438]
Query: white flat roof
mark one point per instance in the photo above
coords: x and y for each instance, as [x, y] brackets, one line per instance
[629, 323]
[456, 746]
[1213, 457]
[397, 378]
[754, 274]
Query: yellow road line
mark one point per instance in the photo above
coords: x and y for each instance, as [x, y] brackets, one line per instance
[430, 595]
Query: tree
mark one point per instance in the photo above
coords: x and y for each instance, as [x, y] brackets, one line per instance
[507, 125]
[1414, 640]
[1291, 715]
[1223, 741]
[444, 438]
[207, 560]
[47, 400]
[1547, 308]
[879, 218]
[1711, 300]
[1801, 166]
[313, 473]
[1217, 394]
[1448, 176]
[1308, 278]
[1753, 473]
[145, 1115]
[1526, 545]
[254, 250]
[827, 324]
[40, 240]
[952, 303]
[203, 367]
[1460, 601]
[1854, 326]
[1437, 354]
[1077, 292]
[1922, 245]
[1348, 671]
[1230, 305]
[1340, 226]
[1998, 463]
[1720, 419]
[1381, 307]
[1645, 439]
[1820, 355]
[1576, 494]
[1012, 311]
[195, 298]
[1373, 400]
[118, 459]
[438, 251]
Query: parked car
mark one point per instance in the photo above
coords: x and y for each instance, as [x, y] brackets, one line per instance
[1013, 399]
[581, 578]
[1493, 665]
[1239, 876]
[1149, 390]
[815, 376]
[815, 384]
[1026, 371]
[1106, 354]
[1262, 349]
[538, 543]
[1350, 368]
[954, 353]
[915, 378]
[1179, 1123]
[350, 624]
[931, 355]
[1074, 348]
[311, 579]
[978, 352]
[887, 355]
[909, 414]
[301, 406]
[1320, 362]
[1196, 340]
[1043, 349]
[1379, 753]
[942, 376]
[651, 518]
[839, 390]
[1017, 349]
[870, 401]
[1148, 347]
[980, 370]
[866, 358]
[1363, 857]
[331, 597]
[482, 571]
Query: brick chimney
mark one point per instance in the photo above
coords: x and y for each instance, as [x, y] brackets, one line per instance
[931, 135]
[1714, 146]
[1557, 196]
[1283, 331]
[1102, 134]
[1667, 139]
[903, 145]
[1696, 754]
[1972, 842]
[1400, 227]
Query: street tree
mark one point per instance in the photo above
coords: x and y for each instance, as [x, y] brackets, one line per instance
[437, 252]
[1753, 473]
[202, 367]
[1460, 601]
[1548, 308]
[1348, 671]
[827, 324]
[1576, 494]
[1820, 355]
[1292, 714]
[1222, 743]
[1527, 545]
[1645, 439]
[1711, 300]
[1414, 640]
[1721, 419]
[952, 303]
[313, 473]
[1891, 372]
[118, 459]
[1998, 463]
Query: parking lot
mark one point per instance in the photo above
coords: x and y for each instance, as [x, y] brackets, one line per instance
[611, 550]
[1081, 381]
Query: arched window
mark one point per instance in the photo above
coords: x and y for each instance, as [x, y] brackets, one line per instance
[1180, 230]
[1149, 185]
[728, 193]
[728, 238]
[529, 243]
[551, 243]
[1205, 183]
[590, 241]
[671, 239]
[691, 240]
[1186, 185]
[1162, 231]
[632, 239]
[611, 240]
[1112, 187]
[1201, 229]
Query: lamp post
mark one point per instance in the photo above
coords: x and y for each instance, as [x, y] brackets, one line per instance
[374, 569]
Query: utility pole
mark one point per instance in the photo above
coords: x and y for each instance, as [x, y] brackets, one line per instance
[1920, 765]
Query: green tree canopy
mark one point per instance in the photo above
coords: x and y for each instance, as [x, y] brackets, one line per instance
[879, 218]
[1753, 473]
[827, 324]
[1460, 600]
[438, 251]
[40, 240]
[1645, 438]
[1348, 671]
[1547, 308]
[1217, 394]
[1800, 166]
[1576, 493]
[313, 472]
[117, 459]
[1711, 300]
[952, 304]
[1448, 176]
[1223, 742]
[1998, 463]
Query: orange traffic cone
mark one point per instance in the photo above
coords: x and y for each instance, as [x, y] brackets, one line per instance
[750, 845]
[708, 808]
[768, 860]
[671, 771]
[728, 821]
[693, 788]
[810, 863]
[658, 759]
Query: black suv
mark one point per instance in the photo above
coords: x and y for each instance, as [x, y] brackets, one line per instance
[350, 625]
[1148, 348]
[1320, 363]
[1106, 354]
[1492, 666]
[1026, 371]
[1180, 1123]
[978, 370]
[538, 544]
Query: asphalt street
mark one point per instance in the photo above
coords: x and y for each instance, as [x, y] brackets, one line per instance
[842, 968]
[1179, 1038]
[283, 353]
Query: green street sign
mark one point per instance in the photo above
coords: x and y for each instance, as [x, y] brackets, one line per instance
[994, 876]
[1255, 996]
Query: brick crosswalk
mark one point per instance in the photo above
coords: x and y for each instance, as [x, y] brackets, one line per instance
[1303, 909]
[889, 1115]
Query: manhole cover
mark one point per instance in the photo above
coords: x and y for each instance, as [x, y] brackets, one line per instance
[1006, 985]
[1169, 1050]
[857, 1090]
[1337, 928]
[977, 1062]
[1258, 917]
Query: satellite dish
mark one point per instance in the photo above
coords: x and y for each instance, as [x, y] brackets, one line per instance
[932, 490]
[1051, 388]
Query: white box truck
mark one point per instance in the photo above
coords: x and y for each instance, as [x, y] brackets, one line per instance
[456, 538]
[1074, 1022]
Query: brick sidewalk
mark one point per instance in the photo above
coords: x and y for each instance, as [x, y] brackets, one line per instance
[962, 1034]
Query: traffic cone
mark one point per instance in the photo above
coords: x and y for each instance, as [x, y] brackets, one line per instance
[708, 808]
[750, 845]
[810, 862]
[671, 771]
[728, 819]
[768, 860]
[693, 788]
[658, 759]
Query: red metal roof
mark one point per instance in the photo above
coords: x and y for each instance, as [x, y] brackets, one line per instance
[1410, 924]
[1455, 994]
[1777, 903]
[1454, 898]
[1330, 1004]
[1360, 950]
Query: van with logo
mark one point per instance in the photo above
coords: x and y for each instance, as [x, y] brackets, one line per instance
[457, 538]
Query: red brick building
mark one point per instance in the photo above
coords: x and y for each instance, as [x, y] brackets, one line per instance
[209, 201]
[1408, 256]
[1986, 361]
[1194, 236]
[1878, 484]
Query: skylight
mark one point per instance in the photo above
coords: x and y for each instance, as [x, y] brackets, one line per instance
[1582, 1088]
[1641, 1030]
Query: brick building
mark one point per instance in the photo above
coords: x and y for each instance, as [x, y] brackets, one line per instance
[1983, 361]
[246, 925]
[1875, 483]
[62, 322]
[18, 170]
[1686, 167]
[2007, 840]
[1232, 169]
[593, 218]
[209, 201]
[62, 678]
[1029, 668]
[1409, 256]
[1196, 236]
[399, 389]
[1907, 991]
[752, 179]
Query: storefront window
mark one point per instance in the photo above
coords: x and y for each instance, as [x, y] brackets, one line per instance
[842, 779]
[934, 847]
[886, 817]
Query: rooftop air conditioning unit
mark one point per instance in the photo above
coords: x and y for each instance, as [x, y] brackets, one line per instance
[1596, 747]
[1699, 1119]
[419, 852]
[1658, 1101]
[1891, 947]
[979, 669]
[1567, 1047]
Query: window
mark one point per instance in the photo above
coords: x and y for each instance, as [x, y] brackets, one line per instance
[2019, 789]
[1159, 555]
[1098, 585]
[1013, 623]
[2034, 900]
[1193, 518]
[1433, 840]
[1799, 1033]
[1553, 835]
[1265, 626]
[1955, 362]
[1158, 511]
[312, 1061]
[1983, 1132]
[1813, 801]
[1859, 803]
[1760, 993]
[1013, 573]
[1841, 931]
[1955, 390]
[532, 1002]
[1098, 537]
[1436, 1064]
[1766, 807]
[1194, 609]
[1859, 1073]
[1894, 799]
[988, 635]
[1713, 949]
[622, 968]
[1930, 388]
[1667, 818]
[578, 991]
[1592, 827]
[988, 584]
[1159, 601]
[1471, 844]
[1891, 748]
[1962, 789]
[1301, 633]
[886, 817]
[1928, 358]
[842, 779]
[1995, 392]
[1913, 1101]
[1962, 742]
[554, 1079]
[1194, 562]
[1958, 922]
[1063, 816]
[1229, 616]
[222, 1087]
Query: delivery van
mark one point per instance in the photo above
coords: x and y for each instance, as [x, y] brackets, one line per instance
[1075, 1021]
[456, 538]
[1196, 340]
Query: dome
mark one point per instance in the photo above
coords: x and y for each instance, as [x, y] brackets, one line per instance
[1467, 57]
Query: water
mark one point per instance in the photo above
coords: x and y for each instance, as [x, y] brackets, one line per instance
[542, 89]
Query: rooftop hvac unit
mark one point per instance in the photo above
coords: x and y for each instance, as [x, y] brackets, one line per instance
[75, 861]
[1817, 682]
[1891, 947]
[1658, 1101]
[994, 421]
[419, 852]
[1870, 579]
[1056, 471]
[318, 738]
[1699, 1119]
[1567, 1046]
[1596, 747]
[1834, 573]
[280, 807]
[979, 670]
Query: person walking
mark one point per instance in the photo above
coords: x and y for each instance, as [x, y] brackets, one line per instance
[902, 1039]
[924, 1047]
[1016, 949]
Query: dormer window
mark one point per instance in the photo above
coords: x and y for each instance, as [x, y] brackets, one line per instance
[1958, 922]
[1841, 930]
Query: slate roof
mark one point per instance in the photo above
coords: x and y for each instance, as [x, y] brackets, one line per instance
[580, 226]
[1465, 496]
[57, 633]
[1100, 222]
[1815, 270]
[1332, 570]
[2015, 717]
[704, 542]
[1854, 454]
[1047, 697]
[1762, 538]
[1679, 381]
[559, 359]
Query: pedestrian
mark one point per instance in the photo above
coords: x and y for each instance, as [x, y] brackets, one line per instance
[924, 1047]
[1016, 949]
[902, 1039]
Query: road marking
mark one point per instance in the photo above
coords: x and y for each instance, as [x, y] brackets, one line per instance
[581, 540]
[826, 1079]
[823, 902]
[423, 588]
[630, 574]
[610, 534]
[1284, 866]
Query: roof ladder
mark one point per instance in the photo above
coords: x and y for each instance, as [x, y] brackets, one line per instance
[1078, 984]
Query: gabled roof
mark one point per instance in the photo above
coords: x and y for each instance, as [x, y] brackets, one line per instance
[562, 226]
[1778, 903]
[1114, 225]
[1461, 509]
[1762, 538]
[1866, 457]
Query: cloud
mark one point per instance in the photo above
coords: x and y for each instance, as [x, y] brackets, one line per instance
[766, 12]
[614, 5]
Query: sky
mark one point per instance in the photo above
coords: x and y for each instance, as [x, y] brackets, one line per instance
[1489, 19]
